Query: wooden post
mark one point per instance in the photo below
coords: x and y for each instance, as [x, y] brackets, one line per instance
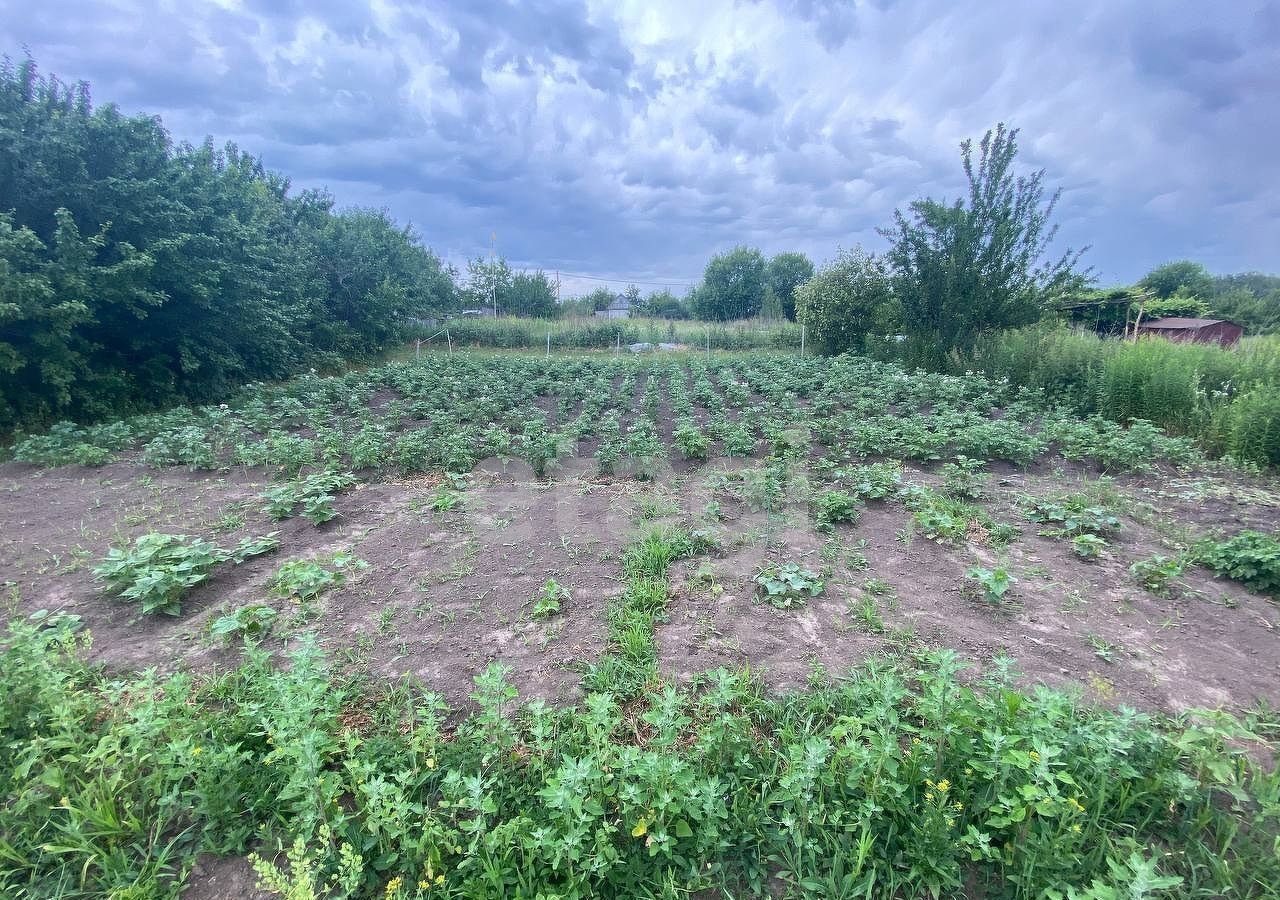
[548, 342]
[802, 335]
[449, 338]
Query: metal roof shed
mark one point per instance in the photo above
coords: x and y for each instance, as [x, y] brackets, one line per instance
[1197, 331]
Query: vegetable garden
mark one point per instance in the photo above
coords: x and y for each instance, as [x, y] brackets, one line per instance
[493, 624]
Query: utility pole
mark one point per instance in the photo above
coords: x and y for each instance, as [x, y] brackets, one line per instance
[493, 270]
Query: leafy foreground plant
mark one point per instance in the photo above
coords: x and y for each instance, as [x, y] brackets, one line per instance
[159, 569]
[786, 585]
[894, 782]
[304, 579]
[548, 601]
[995, 583]
[313, 492]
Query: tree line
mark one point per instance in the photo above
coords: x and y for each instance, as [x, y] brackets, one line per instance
[137, 272]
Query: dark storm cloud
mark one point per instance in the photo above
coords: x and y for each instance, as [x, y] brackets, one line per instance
[636, 138]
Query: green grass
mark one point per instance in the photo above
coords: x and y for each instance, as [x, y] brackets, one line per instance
[511, 333]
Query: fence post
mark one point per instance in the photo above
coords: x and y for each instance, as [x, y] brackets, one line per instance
[548, 342]
[449, 338]
[802, 336]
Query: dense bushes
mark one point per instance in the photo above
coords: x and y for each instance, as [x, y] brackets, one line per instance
[513, 333]
[135, 273]
[1229, 400]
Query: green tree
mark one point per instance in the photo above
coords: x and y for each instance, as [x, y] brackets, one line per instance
[137, 272]
[531, 294]
[732, 286]
[1251, 299]
[1184, 276]
[488, 282]
[844, 301]
[981, 263]
[786, 272]
[662, 305]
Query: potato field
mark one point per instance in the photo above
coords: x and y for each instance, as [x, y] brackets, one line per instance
[678, 624]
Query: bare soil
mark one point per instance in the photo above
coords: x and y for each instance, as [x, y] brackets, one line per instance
[447, 593]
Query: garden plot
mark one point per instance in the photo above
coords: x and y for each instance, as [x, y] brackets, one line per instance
[476, 484]
[487, 605]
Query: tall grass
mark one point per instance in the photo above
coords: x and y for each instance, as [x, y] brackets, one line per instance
[1227, 398]
[591, 333]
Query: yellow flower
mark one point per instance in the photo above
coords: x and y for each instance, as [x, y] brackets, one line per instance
[1035, 757]
[929, 796]
[393, 886]
[968, 770]
[196, 751]
[440, 879]
[431, 762]
[640, 829]
[951, 823]
[65, 802]
[423, 884]
[944, 786]
[957, 806]
[915, 740]
[1076, 804]
[1076, 828]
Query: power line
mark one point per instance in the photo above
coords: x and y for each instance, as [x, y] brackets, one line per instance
[627, 280]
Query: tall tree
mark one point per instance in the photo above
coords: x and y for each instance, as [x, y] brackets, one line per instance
[1184, 276]
[531, 294]
[732, 286]
[488, 282]
[787, 271]
[980, 263]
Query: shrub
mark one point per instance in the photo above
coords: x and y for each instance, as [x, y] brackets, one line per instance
[1250, 557]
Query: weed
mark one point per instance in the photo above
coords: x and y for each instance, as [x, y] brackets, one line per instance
[995, 583]
[1158, 573]
[1104, 650]
[252, 622]
[549, 600]
[964, 478]
[304, 579]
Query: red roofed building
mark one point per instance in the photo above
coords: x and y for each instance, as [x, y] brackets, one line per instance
[1195, 331]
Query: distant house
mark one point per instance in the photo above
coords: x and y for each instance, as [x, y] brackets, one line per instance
[620, 308]
[485, 313]
[1197, 331]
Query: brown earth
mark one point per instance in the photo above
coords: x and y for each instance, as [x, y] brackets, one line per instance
[446, 593]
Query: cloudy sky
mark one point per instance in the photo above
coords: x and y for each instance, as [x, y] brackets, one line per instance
[631, 140]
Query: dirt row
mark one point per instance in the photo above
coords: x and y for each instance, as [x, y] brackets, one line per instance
[446, 593]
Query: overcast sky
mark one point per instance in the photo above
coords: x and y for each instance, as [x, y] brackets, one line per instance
[632, 140]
